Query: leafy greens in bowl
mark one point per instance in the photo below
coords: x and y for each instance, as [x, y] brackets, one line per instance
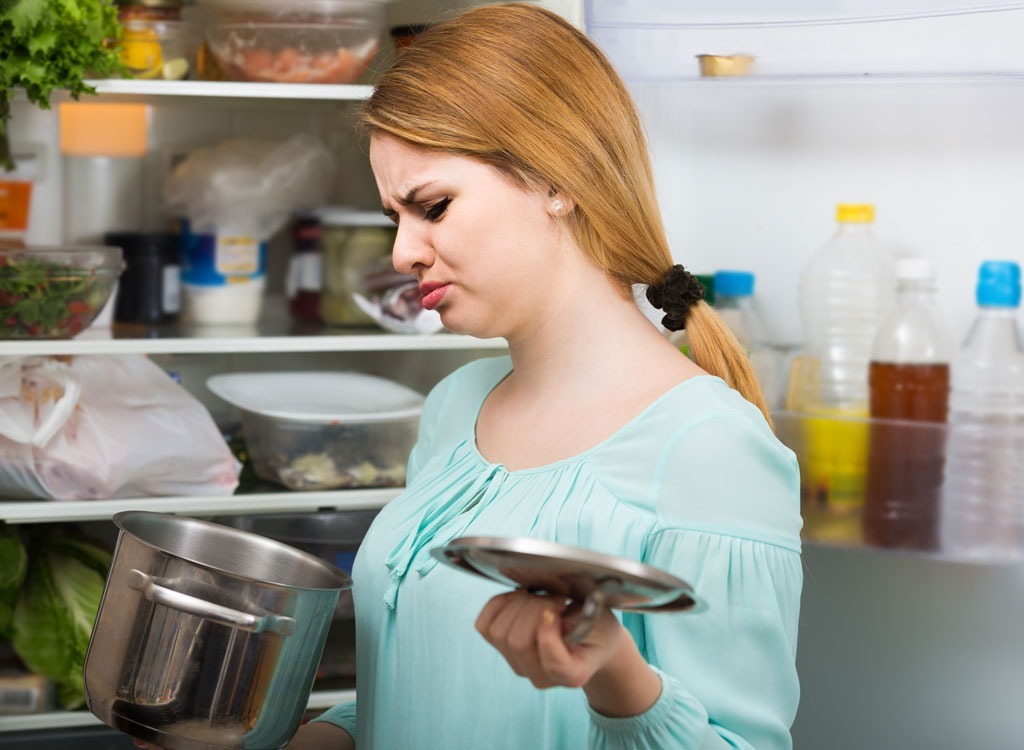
[54, 293]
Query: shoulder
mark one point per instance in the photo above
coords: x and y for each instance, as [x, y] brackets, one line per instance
[703, 457]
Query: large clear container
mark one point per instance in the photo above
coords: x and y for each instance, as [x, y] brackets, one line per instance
[909, 381]
[324, 430]
[983, 495]
[845, 292]
[299, 41]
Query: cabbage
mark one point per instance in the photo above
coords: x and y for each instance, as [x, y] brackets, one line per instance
[55, 611]
[13, 565]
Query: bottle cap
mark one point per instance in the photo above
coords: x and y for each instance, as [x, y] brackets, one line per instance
[915, 269]
[998, 284]
[734, 283]
[855, 213]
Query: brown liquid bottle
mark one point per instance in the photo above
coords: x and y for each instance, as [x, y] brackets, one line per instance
[909, 396]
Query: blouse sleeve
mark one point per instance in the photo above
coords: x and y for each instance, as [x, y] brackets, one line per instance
[343, 715]
[727, 495]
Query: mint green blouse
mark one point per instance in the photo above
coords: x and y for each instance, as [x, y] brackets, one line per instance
[697, 485]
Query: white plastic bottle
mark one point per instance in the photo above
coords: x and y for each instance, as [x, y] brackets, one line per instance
[734, 302]
[983, 491]
[846, 290]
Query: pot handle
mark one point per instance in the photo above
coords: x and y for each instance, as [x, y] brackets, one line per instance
[592, 607]
[192, 605]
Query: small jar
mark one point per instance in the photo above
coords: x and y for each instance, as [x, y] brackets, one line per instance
[149, 290]
[149, 10]
[354, 243]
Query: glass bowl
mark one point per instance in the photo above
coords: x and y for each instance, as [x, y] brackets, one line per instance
[301, 41]
[54, 292]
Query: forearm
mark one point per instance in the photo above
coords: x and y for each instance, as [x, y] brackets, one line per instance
[626, 686]
[321, 736]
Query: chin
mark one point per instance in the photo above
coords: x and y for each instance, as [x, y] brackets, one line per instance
[454, 324]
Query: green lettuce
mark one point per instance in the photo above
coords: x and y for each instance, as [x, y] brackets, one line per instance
[46, 45]
[56, 609]
[13, 566]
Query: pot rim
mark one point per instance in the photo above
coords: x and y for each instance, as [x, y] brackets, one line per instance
[125, 519]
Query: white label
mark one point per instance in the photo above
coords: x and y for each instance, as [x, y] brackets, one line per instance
[307, 272]
[236, 255]
[170, 301]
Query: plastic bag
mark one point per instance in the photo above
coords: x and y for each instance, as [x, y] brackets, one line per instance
[249, 186]
[105, 426]
[393, 300]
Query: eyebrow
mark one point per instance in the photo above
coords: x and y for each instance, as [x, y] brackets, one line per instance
[407, 200]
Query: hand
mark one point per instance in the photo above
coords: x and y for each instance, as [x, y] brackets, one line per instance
[319, 736]
[529, 632]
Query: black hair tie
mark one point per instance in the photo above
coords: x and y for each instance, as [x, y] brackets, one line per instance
[680, 292]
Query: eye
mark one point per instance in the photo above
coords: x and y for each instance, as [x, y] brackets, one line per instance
[436, 211]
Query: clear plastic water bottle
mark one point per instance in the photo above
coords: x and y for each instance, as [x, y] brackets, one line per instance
[909, 386]
[734, 302]
[845, 291]
[983, 492]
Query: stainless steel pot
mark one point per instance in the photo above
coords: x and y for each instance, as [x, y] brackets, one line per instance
[207, 637]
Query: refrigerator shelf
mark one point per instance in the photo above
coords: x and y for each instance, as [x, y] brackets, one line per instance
[223, 340]
[114, 87]
[65, 719]
[56, 511]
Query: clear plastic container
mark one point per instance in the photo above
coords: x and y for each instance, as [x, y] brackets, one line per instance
[983, 494]
[301, 41]
[324, 430]
[845, 291]
[909, 381]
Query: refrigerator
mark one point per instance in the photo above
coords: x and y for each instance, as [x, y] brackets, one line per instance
[916, 106]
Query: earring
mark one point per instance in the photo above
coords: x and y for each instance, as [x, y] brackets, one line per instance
[557, 206]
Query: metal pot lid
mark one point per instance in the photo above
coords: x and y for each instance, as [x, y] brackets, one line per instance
[560, 570]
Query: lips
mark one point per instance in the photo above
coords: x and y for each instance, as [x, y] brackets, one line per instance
[431, 294]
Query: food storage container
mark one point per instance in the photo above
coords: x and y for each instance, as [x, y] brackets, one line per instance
[151, 288]
[354, 243]
[301, 41]
[158, 40]
[54, 292]
[324, 430]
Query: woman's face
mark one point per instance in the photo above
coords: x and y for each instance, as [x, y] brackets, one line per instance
[488, 254]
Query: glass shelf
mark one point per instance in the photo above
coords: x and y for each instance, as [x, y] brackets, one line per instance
[318, 700]
[54, 511]
[129, 87]
[895, 485]
[264, 337]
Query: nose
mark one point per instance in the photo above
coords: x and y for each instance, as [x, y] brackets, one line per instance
[411, 251]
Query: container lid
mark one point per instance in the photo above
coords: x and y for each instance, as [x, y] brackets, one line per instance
[855, 213]
[998, 284]
[914, 268]
[734, 283]
[345, 216]
[318, 397]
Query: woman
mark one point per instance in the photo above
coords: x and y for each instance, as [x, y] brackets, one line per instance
[511, 158]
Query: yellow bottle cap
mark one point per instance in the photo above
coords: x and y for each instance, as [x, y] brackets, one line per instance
[855, 213]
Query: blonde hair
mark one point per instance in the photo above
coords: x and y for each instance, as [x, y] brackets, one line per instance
[517, 87]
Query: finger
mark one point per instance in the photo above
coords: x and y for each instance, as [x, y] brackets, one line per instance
[520, 648]
[495, 608]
